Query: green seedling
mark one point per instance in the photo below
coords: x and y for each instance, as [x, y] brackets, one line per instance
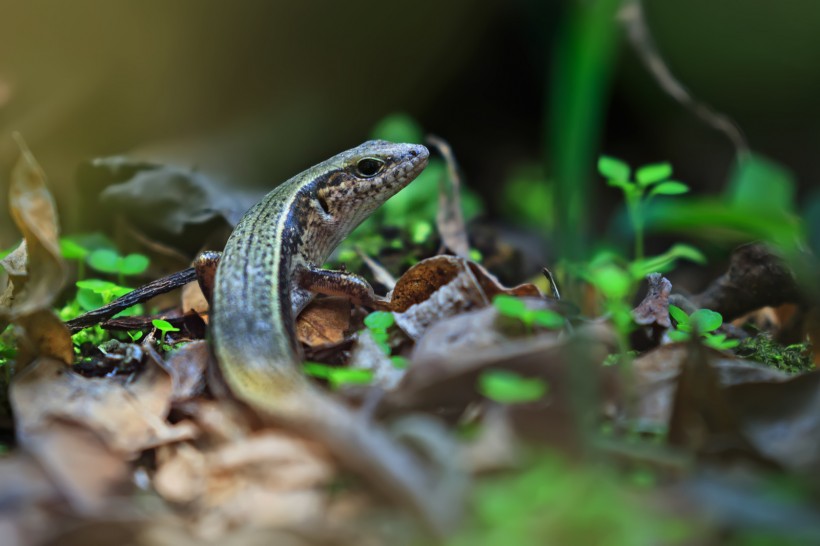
[510, 306]
[508, 387]
[135, 335]
[110, 261]
[164, 327]
[72, 250]
[336, 376]
[650, 180]
[703, 321]
[377, 323]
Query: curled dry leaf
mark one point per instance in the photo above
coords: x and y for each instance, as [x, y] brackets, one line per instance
[35, 214]
[36, 270]
[652, 314]
[445, 286]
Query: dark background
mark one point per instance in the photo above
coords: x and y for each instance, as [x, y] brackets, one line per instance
[252, 92]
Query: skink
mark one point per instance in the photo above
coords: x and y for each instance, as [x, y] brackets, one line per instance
[268, 273]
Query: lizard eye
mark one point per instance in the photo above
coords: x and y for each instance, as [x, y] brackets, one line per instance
[369, 166]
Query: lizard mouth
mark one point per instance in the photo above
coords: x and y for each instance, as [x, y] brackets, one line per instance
[415, 161]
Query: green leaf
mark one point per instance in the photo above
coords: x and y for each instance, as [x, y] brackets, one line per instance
[652, 174]
[104, 260]
[759, 183]
[317, 370]
[509, 306]
[664, 262]
[678, 335]
[97, 286]
[613, 168]
[135, 335]
[119, 291]
[164, 326]
[349, 376]
[71, 250]
[669, 188]
[612, 281]
[133, 264]
[420, 231]
[89, 299]
[706, 320]
[615, 183]
[508, 387]
[379, 320]
[548, 319]
[399, 362]
[678, 314]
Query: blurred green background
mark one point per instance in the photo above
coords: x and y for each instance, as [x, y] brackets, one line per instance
[250, 93]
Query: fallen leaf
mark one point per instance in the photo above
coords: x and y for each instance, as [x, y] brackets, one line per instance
[782, 419]
[442, 287]
[35, 214]
[324, 321]
[129, 417]
[186, 366]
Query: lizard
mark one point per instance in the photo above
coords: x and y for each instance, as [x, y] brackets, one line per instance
[269, 271]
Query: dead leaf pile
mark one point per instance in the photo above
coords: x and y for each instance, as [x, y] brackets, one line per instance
[159, 453]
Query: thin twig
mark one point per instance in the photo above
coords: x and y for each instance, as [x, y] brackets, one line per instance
[139, 295]
[634, 21]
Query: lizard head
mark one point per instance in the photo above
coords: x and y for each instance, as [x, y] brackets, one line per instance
[360, 180]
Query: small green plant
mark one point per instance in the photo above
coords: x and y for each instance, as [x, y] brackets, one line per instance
[337, 376]
[164, 327]
[703, 321]
[508, 387]
[377, 323]
[650, 180]
[510, 306]
[110, 261]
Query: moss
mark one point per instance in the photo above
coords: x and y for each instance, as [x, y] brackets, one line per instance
[762, 348]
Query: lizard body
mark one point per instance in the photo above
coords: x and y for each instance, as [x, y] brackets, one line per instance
[264, 279]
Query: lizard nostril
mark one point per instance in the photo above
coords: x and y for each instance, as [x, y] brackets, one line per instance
[414, 153]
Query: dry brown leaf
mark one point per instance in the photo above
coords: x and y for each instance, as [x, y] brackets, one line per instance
[269, 479]
[324, 321]
[85, 470]
[128, 416]
[782, 419]
[187, 366]
[193, 300]
[33, 210]
[45, 335]
[656, 375]
[442, 287]
[449, 381]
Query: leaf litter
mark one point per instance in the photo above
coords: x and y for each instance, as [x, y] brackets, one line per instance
[156, 453]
